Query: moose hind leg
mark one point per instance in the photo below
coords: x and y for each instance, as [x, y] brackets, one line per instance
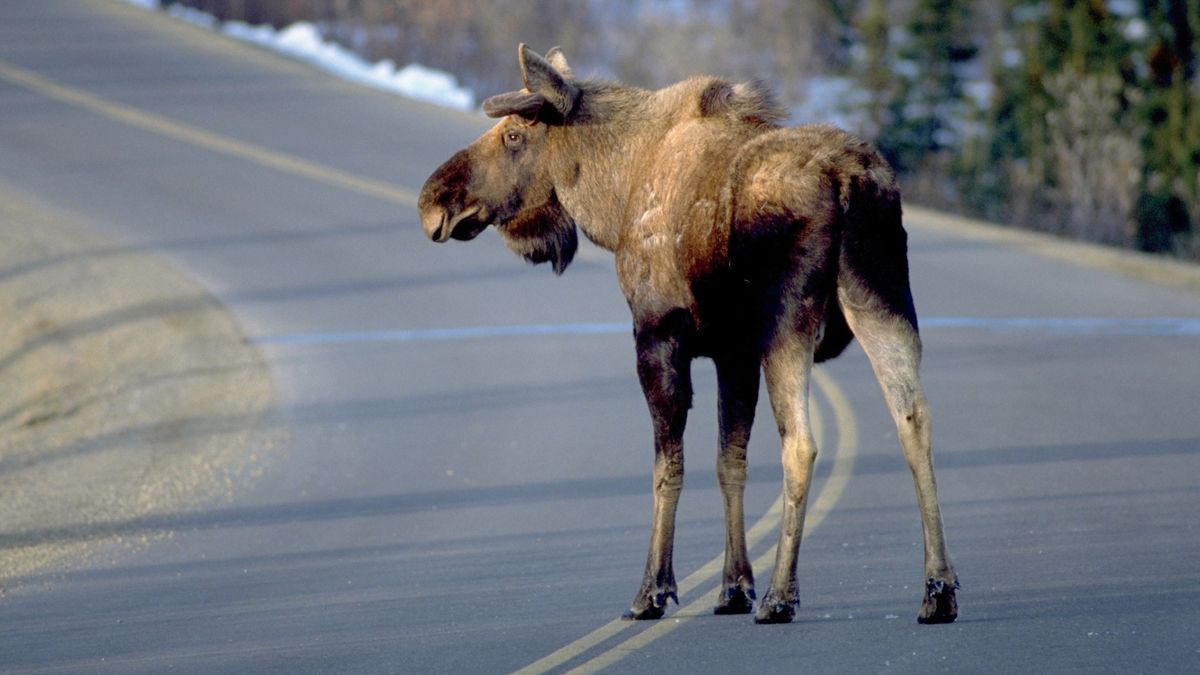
[787, 365]
[665, 374]
[737, 379]
[893, 345]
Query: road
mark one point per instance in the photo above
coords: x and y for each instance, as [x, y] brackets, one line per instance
[478, 500]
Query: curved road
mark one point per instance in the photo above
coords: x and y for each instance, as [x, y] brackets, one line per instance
[477, 499]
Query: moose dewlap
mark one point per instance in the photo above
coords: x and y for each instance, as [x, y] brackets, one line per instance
[765, 248]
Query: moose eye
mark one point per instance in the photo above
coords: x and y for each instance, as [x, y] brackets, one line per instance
[513, 140]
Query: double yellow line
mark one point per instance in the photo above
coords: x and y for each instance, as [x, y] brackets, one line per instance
[831, 492]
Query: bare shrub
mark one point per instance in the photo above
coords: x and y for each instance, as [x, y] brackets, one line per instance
[1094, 158]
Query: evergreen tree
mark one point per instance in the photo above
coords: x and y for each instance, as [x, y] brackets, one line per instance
[927, 113]
[1169, 211]
[873, 70]
[1061, 41]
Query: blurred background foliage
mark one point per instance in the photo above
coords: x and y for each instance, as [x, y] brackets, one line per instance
[1077, 117]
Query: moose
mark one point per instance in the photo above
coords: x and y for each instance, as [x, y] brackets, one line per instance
[762, 247]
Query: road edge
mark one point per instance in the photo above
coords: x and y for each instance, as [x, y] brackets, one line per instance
[1147, 267]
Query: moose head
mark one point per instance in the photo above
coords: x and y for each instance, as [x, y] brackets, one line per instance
[504, 178]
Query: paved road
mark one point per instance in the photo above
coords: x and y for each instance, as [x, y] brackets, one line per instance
[457, 502]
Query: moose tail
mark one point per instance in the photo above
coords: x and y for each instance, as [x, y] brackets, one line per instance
[873, 264]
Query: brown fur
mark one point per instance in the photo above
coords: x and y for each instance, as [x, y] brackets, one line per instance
[760, 246]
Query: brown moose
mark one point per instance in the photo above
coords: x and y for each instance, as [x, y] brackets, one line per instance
[755, 245]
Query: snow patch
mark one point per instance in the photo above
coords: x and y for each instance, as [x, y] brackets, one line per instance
[303, 42]
[1135, 30]
[193, 16]
[1124, 8]
[1012, 57]
[981, 92]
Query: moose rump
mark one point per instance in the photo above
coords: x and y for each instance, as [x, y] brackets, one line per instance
[765, 248]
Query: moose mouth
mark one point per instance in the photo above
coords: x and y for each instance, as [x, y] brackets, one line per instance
[463, 226]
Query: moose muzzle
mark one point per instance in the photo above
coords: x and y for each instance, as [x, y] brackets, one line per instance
[440, 225]
[446, 206]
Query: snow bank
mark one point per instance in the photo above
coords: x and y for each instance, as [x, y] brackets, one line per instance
[303, 41]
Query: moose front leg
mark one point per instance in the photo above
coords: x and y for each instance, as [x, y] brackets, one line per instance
[665, 373]
[737, 380]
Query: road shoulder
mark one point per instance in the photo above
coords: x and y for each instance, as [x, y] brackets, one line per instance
[127, 394]
[1156, 269]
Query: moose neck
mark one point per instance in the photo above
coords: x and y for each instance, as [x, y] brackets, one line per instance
[598, 154]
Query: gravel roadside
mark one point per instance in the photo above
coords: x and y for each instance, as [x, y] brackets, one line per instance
[127, 394]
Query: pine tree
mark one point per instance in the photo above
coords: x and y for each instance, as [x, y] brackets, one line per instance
[1169, 211]
[873, 71]
[1060, 42]
[928, 111]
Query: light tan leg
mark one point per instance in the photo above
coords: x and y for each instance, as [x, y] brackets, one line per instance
[787, 365]
[894, 348]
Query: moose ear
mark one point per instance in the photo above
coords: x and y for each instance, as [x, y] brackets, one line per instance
[542, 77]
[521, 103]
[557, 59]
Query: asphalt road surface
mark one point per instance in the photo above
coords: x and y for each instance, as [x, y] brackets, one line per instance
[456, 496]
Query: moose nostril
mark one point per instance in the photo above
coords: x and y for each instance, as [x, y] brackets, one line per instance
[434, 222]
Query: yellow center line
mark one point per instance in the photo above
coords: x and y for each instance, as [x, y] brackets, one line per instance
[208, 140]
[831, 492]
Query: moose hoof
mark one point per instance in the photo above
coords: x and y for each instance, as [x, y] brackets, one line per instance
[650, 606]
[647, 614]
[735, 600]
[940, 604]
[776, 608]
